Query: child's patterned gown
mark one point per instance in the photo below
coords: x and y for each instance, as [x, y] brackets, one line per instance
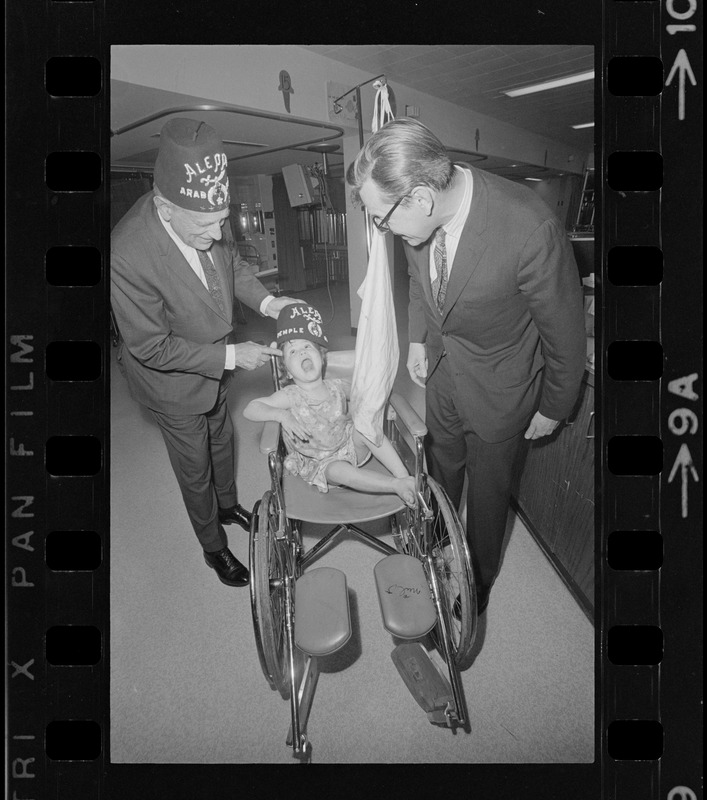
[331, 434]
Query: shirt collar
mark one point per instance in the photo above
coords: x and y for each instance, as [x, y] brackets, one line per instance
[455, 226]
[188, 252]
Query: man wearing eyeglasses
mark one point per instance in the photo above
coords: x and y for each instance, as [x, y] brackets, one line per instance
[496, 322]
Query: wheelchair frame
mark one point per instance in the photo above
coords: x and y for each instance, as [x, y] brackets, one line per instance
[278, 559]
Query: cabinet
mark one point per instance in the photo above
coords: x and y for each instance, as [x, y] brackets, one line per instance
[555, 497]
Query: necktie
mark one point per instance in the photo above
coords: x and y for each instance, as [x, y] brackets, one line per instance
[212, 279]
[439, 284]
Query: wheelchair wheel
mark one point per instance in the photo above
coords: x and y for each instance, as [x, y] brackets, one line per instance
[267, 594]
[452, 565]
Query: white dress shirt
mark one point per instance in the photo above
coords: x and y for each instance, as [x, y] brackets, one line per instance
[192, 258]
[455, 226]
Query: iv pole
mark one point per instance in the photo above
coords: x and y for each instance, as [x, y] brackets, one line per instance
[337, 110]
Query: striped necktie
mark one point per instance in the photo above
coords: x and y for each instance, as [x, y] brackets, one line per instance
[212, 279]
[439, 284]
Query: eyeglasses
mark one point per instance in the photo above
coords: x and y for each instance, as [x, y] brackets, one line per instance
[382, 224]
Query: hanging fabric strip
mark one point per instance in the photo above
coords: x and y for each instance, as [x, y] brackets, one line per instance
[377, 352]
[382, 111]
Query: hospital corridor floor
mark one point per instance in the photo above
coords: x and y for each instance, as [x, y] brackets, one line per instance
[186, 684]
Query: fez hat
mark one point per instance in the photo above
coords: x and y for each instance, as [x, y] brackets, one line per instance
[190, 170]
[300, 321]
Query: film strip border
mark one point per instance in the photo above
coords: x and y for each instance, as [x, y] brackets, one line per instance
[57, 540]
[650, 406]
[57, 403]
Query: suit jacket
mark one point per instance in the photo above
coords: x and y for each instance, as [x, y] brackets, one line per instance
[174, 335]
[512, 326]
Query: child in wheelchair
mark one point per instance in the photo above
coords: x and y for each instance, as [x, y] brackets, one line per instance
[323, 446]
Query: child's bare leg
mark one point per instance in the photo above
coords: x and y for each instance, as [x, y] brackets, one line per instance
[374, 482]
[389, 458]
[385, 453]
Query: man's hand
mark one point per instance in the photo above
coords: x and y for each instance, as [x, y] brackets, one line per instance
[540, 426]
[250, 355]
[275, 306]
[417, 363]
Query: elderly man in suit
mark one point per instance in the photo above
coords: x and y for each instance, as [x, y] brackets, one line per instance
[173, 284]
[496, 321]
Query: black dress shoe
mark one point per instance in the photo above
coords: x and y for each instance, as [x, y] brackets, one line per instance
[227, 516]
[228, 568]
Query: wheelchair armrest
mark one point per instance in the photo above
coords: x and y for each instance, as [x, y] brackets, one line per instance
[408, 415]
[340, 364]
[270, 437]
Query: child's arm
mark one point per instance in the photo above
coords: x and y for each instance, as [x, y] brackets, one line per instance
[263, 409]
[276, 407]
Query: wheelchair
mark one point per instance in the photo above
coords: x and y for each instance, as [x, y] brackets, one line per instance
[425, 582]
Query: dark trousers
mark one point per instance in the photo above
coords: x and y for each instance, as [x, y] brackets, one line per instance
[453, 451]
[200, 448]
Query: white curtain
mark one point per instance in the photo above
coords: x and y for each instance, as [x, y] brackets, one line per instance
[377, 351]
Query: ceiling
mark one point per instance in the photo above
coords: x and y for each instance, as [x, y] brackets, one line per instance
[470, 76]
[139, 112]
[475, 77]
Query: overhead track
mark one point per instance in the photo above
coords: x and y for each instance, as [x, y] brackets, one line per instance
[338, 132]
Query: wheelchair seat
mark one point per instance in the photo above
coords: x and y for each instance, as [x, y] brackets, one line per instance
[339, 505]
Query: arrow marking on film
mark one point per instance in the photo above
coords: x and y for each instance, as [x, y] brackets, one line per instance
[682, 64]
[684, 461]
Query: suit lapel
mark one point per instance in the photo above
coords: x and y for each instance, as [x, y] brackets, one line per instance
[222, 263]
[422, 255]
[180, 268]
[472, 245]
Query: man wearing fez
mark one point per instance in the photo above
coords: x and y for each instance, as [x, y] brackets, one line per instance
[496, 320]
[173, 283]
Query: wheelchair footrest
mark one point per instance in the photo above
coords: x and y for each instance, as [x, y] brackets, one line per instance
[404, 596]
[431, 689]
[322, 617]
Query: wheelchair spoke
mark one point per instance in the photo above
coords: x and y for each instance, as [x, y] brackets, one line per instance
[452, 565]
[450, 560]
[268, 594]
[406, 538]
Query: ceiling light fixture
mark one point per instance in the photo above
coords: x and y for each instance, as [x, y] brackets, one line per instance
[583, 125]
[540, 180]
[555, 84]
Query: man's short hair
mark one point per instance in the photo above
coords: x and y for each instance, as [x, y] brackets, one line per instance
[402, 154]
